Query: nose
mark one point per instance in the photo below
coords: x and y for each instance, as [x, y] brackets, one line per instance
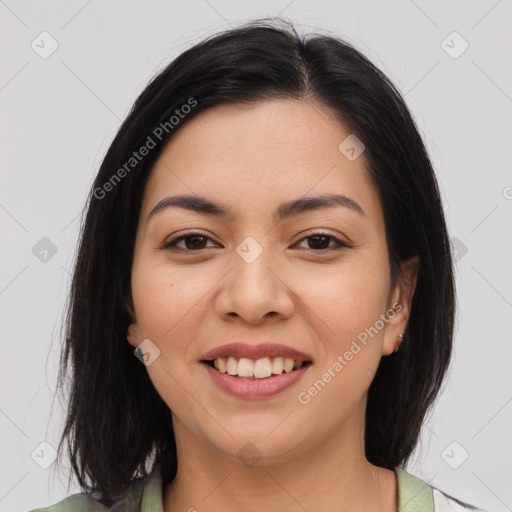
[255, 290]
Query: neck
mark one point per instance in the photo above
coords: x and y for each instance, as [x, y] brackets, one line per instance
[332, 475]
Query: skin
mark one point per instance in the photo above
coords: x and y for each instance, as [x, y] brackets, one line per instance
[251, 159]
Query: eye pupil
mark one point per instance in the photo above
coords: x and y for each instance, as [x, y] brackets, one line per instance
[196, 238]
[316, 239]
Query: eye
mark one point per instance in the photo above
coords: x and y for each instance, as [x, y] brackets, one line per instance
[196, 241]
[320, 242]
[193, 241]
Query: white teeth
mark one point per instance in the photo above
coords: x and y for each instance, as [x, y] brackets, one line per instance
[288, 365]
[277, 365]
[262, 368]
[232, 366]
[259, 368]
[245, 367]
[222, 364]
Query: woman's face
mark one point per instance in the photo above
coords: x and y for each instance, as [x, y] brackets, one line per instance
[265, 273]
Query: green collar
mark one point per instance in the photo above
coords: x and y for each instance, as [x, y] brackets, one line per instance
[414, 495]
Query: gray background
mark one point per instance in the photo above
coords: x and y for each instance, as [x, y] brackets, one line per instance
[60, 113]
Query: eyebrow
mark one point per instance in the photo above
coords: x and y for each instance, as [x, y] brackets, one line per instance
[288, 209]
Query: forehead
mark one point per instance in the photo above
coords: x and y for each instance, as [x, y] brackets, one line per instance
[260, 154]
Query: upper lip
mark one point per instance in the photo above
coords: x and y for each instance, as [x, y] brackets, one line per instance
[256, 351]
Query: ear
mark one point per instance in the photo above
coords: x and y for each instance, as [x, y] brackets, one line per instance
[399, 305]
[133, 334]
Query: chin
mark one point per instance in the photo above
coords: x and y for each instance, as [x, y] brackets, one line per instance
[264, 445]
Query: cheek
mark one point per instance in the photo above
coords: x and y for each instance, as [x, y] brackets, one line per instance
[171, 305]
[151, 299]
[348, 299]
[164, 299]
[344, 317]
[166, 315]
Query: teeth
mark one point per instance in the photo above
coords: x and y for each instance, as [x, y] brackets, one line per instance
[221, 364]
[262, 368]
[277, 365]
[288, 365]
[245, 367]
[259, 368]
[232, 366]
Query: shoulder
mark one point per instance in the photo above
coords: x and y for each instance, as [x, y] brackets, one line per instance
[445, 503]
[142, 495]
[415, 495]
[80, 502]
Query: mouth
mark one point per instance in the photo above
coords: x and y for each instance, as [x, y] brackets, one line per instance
[253, 372]
[256, 369]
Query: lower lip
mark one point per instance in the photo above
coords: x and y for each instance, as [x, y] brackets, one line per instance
[255, 388]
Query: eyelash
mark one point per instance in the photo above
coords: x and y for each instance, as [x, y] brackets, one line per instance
[172, 244]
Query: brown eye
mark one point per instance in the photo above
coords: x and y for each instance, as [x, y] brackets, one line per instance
[193, 242]
[197, 241]
[320, 242]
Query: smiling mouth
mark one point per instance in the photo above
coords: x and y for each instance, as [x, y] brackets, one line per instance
[254, 369]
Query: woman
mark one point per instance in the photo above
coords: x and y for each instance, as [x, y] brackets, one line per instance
[262, 307]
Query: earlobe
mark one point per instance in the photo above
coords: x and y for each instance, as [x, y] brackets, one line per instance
[132, 335]
[397, 344]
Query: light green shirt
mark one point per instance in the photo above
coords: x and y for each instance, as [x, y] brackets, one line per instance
[414, 495]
